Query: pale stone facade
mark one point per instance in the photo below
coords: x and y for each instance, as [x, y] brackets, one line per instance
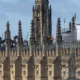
[38, 66]
[41, 59]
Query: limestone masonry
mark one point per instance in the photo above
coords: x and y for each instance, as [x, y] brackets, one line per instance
[42, 58]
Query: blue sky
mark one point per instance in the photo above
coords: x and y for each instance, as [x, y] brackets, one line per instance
[15, 10]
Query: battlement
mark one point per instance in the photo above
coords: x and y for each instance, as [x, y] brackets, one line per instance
[65, 50]
[27, 53]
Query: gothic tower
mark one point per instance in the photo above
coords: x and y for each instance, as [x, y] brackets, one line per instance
[41, 23]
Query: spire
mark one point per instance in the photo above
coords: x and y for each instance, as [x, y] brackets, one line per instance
[50, 8]
[7, 32]
[50, 11]
[7, 25]
[31, 28]
[20, 39]
[73, 23]
[69, 26]
[33, 8]
[32, 33]
[58, 32]
[7, 39]
[75, 15]
[50, 21]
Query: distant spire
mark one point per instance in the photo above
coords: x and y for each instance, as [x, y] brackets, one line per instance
[58, 32]
[2, 35]
[64, 24]
[33, 8]
[7, 25]
[27, 35]
[75, 15]
[73, 23]
[7, 37]
[20, 39]
[50, 8]
[31, 33]
[7, 33]
[50, 21]
[32, 29]
[64, 20]
[69, 26]
[50, 11]
[47, 1]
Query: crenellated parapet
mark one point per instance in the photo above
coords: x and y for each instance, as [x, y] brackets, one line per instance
[65, 51]
[27, 53]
